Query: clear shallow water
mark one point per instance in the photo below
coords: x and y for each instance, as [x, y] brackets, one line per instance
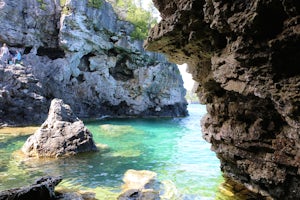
[173, 148]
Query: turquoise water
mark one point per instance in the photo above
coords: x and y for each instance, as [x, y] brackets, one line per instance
[173, 148]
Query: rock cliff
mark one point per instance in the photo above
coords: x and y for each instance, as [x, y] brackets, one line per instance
[82, 53]
[245, 57]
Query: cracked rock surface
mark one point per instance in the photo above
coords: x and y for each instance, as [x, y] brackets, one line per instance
[245, 57]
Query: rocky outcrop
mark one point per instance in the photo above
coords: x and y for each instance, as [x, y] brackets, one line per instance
[20, 95]
[61, 134]
[244, 56]
[42, 188]
[83, 54]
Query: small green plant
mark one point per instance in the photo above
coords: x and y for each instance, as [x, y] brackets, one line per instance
[65, 8]
[95, 3]
[62, 3]
[42, 4]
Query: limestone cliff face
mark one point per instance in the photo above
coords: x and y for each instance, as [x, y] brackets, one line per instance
[245, 57]
[83, 54]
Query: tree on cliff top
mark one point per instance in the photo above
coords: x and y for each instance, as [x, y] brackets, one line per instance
[141, 18]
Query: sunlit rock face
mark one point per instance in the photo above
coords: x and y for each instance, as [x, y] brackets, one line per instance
[62, 134]
[84, 55]
[245, 57]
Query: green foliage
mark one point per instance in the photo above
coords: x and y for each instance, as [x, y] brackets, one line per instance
[95, 3]
[42, 4]
[139, 17]
[65, 8]
[62, 2]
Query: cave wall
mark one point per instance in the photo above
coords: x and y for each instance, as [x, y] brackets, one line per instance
[245, 57]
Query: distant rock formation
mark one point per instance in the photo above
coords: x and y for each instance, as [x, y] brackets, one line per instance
[85, 56]
[245, 57]
[42, 188]
[61, 134]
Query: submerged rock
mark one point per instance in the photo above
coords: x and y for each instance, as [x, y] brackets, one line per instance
[245, 57]
[140, 185]
[42, 188]
[144, 185]
[110, 130]
[76, 196]
[61, 134]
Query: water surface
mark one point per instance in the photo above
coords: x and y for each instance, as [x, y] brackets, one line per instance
[173, 148]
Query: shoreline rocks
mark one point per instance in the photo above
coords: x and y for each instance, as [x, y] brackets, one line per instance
[43, 188]
[61, 134]
[21, 95]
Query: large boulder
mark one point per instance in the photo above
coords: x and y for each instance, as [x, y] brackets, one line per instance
[42, 188]
[61, 134]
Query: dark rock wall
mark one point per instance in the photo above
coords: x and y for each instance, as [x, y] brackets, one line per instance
[245, 57]
[21, 95]
[42, 188]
